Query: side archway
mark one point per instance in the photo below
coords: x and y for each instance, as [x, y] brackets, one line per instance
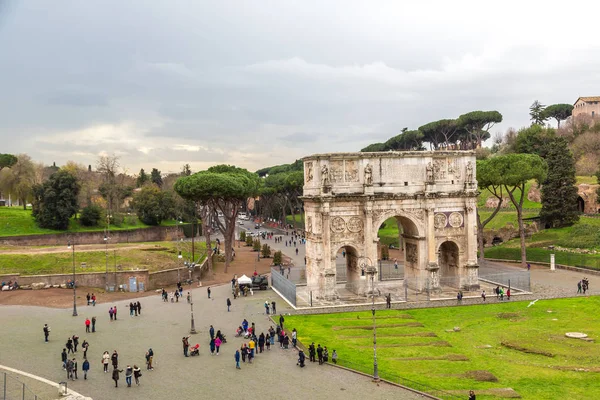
[449, 262]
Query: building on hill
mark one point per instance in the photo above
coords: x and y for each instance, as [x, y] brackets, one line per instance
[587, 106]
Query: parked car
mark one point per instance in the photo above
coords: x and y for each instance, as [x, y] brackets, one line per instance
[257, 226]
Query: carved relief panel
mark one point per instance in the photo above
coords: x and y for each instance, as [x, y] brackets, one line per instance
[448, 219]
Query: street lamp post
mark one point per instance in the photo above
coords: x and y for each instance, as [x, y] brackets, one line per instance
[69, 246]
[179, 256]
[193, 326]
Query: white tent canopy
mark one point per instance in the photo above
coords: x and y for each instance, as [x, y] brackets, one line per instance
[244, 280]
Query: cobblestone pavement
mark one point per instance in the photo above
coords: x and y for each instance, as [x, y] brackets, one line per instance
[161, 326]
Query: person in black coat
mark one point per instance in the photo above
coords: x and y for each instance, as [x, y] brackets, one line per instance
[115, 376]
[301, 358]
[311, 352]
[115, 359]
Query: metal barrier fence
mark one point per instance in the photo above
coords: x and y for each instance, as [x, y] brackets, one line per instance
[14, 389]
[520, 280]
[395, 378]
[283, 285]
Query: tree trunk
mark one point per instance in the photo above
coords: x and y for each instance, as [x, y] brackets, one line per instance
[24, 204]
[519, 206]
[206, 231]
[480, 239]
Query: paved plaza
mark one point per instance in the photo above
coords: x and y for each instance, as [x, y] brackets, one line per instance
[161, 327]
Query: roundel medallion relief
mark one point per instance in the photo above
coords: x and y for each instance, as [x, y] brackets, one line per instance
[440, 220]
[338, 224]
[456, 220]
[355, 224]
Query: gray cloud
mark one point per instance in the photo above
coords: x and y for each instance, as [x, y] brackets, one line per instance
[206, 82]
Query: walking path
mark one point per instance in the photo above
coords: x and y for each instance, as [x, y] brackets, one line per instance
[161, 327]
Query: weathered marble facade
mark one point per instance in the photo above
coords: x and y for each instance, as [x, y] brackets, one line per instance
[433, 195]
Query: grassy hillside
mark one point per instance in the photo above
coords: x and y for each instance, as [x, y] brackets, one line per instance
[17, 222]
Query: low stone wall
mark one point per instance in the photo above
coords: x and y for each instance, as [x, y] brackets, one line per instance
[152, 234]
[150, 280]
[587, 271]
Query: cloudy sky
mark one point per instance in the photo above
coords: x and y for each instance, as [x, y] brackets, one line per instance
[258, 83]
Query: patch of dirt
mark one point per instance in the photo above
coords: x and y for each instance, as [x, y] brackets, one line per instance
[576, 369]
[508, 315]
[419, 334]
[403, 316]
[441, 343]
[526, 350]
[448, 357]
[370, 327]
[481, 376]
[244, 263]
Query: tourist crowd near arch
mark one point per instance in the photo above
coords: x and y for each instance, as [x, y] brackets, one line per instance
[432, 195]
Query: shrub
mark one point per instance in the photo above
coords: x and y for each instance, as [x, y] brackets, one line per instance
[249, 241]
[277, 258]
[385, 252]
[256, 245]
[90, 215]
[266, 251]
[242, 236]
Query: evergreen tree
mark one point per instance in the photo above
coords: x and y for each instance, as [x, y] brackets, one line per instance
[559, 193]
[155, 177]
[55, 201]
[142, 178]
[536, 112]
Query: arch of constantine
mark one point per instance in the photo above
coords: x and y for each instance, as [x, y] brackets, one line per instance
[432, 195]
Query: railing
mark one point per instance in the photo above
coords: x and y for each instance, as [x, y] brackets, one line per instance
[395, 378]
[283, 285]
[14, 389]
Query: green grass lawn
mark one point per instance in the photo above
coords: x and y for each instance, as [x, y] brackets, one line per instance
[527, 204]
[15, 221]
[590, 180]
[568, 371]
[299, 220]
[153, 256]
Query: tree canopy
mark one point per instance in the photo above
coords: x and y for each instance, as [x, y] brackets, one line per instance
[55, 201]
[536, 112]
[7, 160]
[156, 177]
[478, 124]
[153, 205]
[559, 112]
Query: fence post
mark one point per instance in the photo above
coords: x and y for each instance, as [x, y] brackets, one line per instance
[4, 397]
[311, 298]
[23, 391]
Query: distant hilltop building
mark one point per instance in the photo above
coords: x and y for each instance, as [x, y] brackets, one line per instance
[587, 106]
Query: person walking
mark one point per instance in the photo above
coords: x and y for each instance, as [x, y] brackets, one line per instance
[149, 359]
[211, 332]
[115, 359]
[137, 372]
[261, 342]
[46, 332]
[268, 341]
[111, 314]
[395, 263]
[75, 368]
[70, 369]
[483, 295]
[115, 376]
[87, 325]
[334, 357]
[208, 291]
[212, 346]
[267, 307]
[228, 304]
[131, 309]
[105, 361]
[63, 358]
[244, 351]
[237, 359]
[93, 324]
[115, 312]
[139, 308]
[75, 343]
[273, 307]
[186, 345]
[128, 375]
[218, 344]
[311, 352]
[135, 308]
[93, 300]
[251, 346]
[301, 359]
[69, 345]
[85, 345]
[85, 367]
[294, 337]
[579, 287]
[88, 298]
[508, 294]
[320, 354]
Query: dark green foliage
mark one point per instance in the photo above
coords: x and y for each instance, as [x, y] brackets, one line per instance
[297, 165]
[266, 251]
[55, 201]
[277, 258]
[249, 241]
[242, 236]
[7, 161]
[374, 147]
[153, 205]
[559, 193]
[477, 125]
[407, 140]
[536, 112]
[256, 245]
[156, 177]
[559, 112]
[533, 140]
[142, 178]
[90, 215]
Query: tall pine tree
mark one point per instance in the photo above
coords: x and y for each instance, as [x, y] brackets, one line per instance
[559, 193]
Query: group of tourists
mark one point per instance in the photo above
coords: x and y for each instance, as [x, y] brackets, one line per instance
[583, 285]
[135, 308]
[316, 353]
[175, 295]
[91, 299]
[500, 293]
